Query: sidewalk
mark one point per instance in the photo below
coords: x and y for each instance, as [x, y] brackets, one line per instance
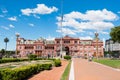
[54, 74]
[85, 70]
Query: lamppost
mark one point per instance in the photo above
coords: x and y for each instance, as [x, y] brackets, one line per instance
[96, 37]
[17, 35]
[44, 42]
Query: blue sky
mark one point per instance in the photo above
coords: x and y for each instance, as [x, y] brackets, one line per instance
[40, 18]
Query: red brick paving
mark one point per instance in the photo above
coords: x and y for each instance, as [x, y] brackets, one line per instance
[54, 74]
[85, 70]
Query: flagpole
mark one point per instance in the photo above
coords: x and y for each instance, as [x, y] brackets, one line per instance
[61, 27]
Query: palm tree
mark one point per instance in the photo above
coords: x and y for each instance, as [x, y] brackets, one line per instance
[6, 40]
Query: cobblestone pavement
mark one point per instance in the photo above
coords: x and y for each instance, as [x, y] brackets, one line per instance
[85, 70]
[54, 74]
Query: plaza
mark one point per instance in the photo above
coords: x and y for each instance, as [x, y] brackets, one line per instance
[59, 40]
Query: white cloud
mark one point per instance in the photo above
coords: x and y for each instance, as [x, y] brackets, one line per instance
[103, 32]
[1, 15]
[90, 20]
[4, 10]
[4, 27]
[118, 11]
[14, 18]
[90, 33]
[19, 15]
[26, 11]
[11, 26]
[50, 38]
[36, 16]
[40, 9]
[66, 31]
[92, 15]
[30, 24]
[86, 38]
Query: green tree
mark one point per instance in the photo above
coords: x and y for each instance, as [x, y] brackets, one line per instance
[115, 34]
[2, 51]
[6, 40]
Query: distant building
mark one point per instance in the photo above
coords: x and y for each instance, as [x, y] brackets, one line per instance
[111, 46]
[72, 46]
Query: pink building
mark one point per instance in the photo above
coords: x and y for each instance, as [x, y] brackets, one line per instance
[72, 46]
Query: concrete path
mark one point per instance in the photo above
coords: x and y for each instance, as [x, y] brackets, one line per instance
[85, 70]
[71, 75]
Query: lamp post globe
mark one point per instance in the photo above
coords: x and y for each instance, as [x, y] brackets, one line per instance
[17, 35]
[96, 34]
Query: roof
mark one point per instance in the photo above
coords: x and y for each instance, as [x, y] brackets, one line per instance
[67, 37]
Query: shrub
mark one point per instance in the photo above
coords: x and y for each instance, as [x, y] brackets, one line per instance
[67, 57]
[51, 59]
[32, 56]
[57, 62]
[47, 66]
[0, 75]
[5, 60]
[23, 72]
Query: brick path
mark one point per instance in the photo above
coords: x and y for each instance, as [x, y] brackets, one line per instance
[85, 70]
[54, 74]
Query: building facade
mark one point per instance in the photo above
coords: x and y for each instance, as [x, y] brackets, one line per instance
[71, 46]
[111, 46]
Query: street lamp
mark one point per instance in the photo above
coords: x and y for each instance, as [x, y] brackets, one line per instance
[17, 35]
[96, 37]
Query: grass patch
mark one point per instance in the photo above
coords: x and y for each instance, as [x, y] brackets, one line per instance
[109, 62]
[66, 72]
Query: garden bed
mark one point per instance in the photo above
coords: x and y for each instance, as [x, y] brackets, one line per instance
[24, 63]
[23, 72]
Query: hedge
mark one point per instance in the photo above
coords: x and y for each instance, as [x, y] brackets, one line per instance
[57, 62]
[67, 57]
[6, 60]
[23, 72]
[32, 56]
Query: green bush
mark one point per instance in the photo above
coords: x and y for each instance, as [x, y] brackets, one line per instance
[51, 59]
[5, 60]
[0, 75]
[47, 66]
[23, 72]
[67, 57]
[57, 62]
[32, 56]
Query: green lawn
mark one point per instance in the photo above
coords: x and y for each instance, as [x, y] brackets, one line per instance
[109, 62]
[66, 72]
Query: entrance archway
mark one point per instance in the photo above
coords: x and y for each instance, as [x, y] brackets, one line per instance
[67, 50]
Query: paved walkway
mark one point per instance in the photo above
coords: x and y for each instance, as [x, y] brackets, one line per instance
[54, 74]
[85, 70]
[71, 75]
